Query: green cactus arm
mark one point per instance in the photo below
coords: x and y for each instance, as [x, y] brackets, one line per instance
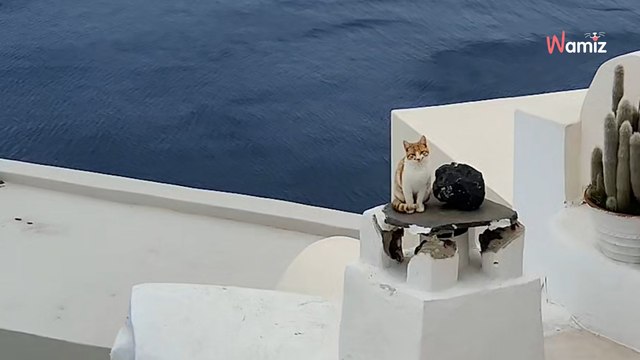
[600, 185]
[618, 87]
[610, 155]
[596, 165]
[625, 113]
[634, 164]
[623, 182]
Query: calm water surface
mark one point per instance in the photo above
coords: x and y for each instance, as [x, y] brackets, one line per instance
[286, 99]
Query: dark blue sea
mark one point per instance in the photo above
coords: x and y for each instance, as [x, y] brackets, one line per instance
[287, 99]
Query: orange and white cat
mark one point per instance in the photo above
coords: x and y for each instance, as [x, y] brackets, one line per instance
[412, 182]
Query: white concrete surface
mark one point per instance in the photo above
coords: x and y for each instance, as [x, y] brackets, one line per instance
[602, 294]
[69, 274]
[20, 346]
[582, 345]
[481, 133]
[196, 322]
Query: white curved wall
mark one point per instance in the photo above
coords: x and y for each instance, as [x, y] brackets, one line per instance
[319, 269]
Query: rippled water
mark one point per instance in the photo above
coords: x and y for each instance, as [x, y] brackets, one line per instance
[288, 99]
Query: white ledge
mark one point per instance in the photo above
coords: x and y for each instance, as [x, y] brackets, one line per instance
[250, 209]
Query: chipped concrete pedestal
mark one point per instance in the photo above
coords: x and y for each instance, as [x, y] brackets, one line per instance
[442, 303]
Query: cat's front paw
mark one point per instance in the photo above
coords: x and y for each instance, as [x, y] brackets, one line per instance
[410, 209]
[420, 208]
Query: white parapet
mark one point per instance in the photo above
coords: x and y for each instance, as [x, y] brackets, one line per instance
[429, 310]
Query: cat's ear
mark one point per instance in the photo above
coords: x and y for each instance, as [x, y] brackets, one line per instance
[406, 144]
[423, 140]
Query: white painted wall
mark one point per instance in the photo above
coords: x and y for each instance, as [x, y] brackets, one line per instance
[403, 130]
[319, 269]
[539, 184]
[481, 133]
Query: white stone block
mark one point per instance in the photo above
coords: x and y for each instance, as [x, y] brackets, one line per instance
[505, 262]
[371, 248]
[384, 318]
[462, 243]
[429, 274]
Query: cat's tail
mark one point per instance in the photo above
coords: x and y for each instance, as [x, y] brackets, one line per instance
[403, 207]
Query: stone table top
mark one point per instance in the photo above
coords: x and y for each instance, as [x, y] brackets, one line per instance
[438, 217]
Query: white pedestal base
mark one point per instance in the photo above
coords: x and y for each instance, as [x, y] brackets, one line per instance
[385, 319]
[439, 305]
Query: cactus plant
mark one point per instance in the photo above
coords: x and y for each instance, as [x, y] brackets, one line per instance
[596, 165]
[623, 182]
[618, 87]
[600, 188]
[624, 113]
[611, 204]
[615, 169]
[610, 158]
[634, 164]
[596, 190]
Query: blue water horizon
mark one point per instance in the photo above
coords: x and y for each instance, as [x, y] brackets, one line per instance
[286, 99]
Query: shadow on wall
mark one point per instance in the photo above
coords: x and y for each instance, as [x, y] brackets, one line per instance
[20, 346]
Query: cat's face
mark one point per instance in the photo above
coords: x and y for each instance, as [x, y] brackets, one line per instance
[418, 151]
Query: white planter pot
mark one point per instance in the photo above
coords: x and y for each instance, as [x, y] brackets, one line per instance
[618, 235]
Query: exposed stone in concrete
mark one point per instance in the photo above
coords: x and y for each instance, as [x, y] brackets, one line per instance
[438, 249]
[494, 240]
[391, 241]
